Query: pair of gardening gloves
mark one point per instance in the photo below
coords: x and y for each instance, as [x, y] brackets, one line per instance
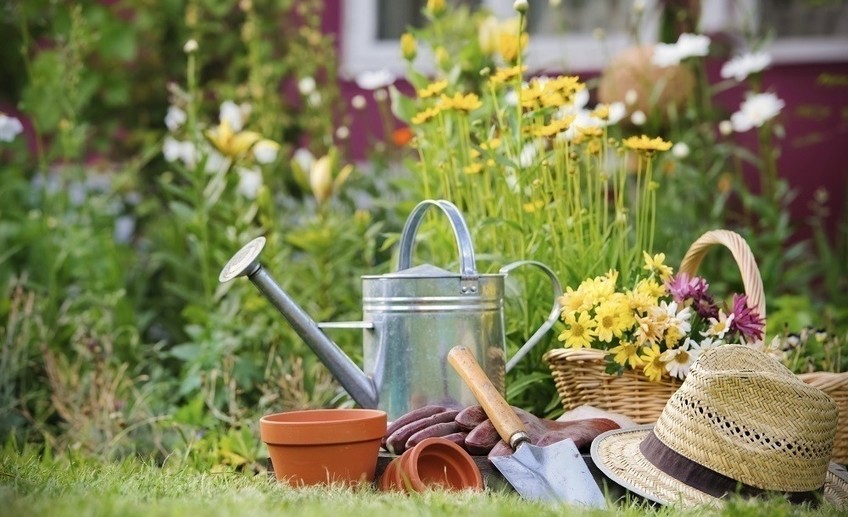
[473, 431]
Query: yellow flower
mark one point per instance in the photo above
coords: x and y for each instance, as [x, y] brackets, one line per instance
[656, 266]
[654, 366]
[554, 128]
[461, 102]
[572, 300]
[627, 353]
[673, 336]
[494, 143]
[436, 7]
[510, 45]
[425, 115]
[599, 289]
[610, 319]
[650, 287]
[651, 327]
[591, 132]
[580, 330]
[229, 143]
[474, 168]
[432, 89]
[408, 46]
[646, 145]
[532, 206]
[505, 75]
[601, 111]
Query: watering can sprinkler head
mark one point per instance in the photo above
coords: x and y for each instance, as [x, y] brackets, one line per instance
[243, 263]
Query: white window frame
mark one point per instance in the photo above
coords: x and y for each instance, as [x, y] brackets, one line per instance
[722, 15]
[574, 52]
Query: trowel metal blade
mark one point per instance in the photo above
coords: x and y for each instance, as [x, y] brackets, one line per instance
[554, 473]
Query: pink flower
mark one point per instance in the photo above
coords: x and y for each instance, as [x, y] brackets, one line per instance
[745, 319]
[683, 287]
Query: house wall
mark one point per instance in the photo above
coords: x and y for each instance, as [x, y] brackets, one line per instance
[814, 151]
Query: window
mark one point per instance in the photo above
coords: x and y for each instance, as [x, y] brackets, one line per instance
[562, 32]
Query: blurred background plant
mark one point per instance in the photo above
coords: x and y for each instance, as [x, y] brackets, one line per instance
[149, 153]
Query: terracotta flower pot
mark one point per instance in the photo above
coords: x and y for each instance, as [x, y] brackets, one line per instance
[433, 463]
[324, 445]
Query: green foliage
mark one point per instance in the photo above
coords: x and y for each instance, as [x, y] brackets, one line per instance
[73, 485]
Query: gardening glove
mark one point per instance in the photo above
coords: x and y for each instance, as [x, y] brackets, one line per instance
[545, 432]
[425, 422]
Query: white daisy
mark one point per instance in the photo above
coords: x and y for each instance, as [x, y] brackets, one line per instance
[742, 66]
[375, 80]
[756, 110]
[679, 360]
[719, 326]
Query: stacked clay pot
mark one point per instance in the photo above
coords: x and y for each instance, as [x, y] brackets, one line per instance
[433, 463]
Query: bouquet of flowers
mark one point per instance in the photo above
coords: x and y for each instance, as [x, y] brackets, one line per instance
[659, 325]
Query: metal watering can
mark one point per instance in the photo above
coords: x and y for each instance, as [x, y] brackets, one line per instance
[411, 320]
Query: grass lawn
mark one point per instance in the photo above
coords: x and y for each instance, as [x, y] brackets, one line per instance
[31, 485]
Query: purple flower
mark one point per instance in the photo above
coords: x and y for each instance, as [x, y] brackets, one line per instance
[683, 287]
[706, 307]
[745, 319]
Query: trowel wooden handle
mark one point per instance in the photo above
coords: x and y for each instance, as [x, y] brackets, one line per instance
[499, 412]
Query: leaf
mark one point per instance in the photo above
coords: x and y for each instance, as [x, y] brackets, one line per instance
[187, 352]
[403, 107]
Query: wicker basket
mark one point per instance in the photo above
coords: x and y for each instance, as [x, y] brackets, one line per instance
[581, 378]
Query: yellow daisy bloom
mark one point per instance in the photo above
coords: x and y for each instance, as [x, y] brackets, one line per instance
[651, 287]
[425, 115]
[650, 328]
[461, 102]
[572, 300]
[656, 265]
[432, 89]
[580, 330]
[654, 366]
[505, 75]
[609, 319]
[646, 145]
[627, 353]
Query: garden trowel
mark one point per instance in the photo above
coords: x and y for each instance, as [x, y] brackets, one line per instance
[555, 472]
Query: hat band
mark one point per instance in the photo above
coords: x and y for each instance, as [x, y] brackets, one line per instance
[705, 479]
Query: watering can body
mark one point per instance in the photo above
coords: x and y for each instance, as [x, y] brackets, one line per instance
[411, 319]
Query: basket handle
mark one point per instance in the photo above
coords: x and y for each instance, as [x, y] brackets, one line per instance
[751, 278]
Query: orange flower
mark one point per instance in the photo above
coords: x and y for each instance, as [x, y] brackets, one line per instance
[402, 136]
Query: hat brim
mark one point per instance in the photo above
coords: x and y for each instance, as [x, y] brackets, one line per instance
[616, 453]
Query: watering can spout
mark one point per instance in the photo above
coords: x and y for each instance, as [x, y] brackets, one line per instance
[361, 387]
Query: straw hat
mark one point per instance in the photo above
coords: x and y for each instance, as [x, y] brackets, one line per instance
[742, 422]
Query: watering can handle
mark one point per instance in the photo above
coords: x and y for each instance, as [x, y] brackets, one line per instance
[553, 316]
[467, 267]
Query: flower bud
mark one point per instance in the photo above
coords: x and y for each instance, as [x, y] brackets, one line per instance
[408, 46]
[435, 7]
[190, 46]
[321, 179]
[520, 6]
